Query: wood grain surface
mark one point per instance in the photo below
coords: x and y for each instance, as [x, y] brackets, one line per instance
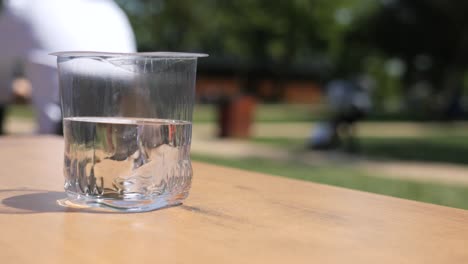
[231, 216]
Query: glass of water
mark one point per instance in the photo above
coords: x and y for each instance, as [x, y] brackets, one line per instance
[127, 123]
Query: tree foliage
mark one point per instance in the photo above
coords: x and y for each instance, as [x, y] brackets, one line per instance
[257, 31]
[413, 43]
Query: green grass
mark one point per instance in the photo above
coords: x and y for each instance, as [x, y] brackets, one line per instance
[204, 113]
[21, 111]
[286, 113]
[427, 148]
[281, 112]
[441, 145]
[453, 149]
[265, 113]
[353, 178]
[208, 113]
[283, 142]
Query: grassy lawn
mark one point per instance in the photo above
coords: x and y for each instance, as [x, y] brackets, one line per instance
[265, 113]
[428, 148]
[443, 144]
[352, 178]
[208, 113]
[280, 112]
[21, 111]
[452, 149]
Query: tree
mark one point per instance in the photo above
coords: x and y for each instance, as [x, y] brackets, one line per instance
[266, 37]
[431, 38]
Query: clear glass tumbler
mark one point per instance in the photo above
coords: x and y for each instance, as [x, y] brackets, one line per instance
[127, 123]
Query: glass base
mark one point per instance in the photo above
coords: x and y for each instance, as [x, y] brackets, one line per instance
[78, 201]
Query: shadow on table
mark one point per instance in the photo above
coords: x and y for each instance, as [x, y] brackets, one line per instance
[27, 201]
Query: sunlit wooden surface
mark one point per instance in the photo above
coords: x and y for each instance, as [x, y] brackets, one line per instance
[231, 216]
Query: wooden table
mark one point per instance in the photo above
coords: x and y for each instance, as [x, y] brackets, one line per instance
[231, 216]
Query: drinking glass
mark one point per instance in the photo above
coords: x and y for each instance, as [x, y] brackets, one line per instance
[127, 123]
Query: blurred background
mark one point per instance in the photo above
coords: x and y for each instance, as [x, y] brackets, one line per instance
[363, 94]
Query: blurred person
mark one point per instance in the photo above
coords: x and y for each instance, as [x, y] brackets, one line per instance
[31, 29]
[349, 102]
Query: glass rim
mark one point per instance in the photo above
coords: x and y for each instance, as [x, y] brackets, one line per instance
[157, 54]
